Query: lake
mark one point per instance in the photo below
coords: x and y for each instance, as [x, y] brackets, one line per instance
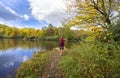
[13, 52]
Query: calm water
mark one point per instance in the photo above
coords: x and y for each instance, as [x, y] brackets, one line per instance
[13, 52]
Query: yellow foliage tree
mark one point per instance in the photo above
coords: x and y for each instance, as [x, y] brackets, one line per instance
[94, 12]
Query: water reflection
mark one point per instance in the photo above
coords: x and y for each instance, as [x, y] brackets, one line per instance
[11, 58]
[13, 52]
[10, 43]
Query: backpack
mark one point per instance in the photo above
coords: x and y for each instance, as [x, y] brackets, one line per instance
[60, 42]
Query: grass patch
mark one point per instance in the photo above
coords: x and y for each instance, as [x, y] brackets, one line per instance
[34, 67]
[92, 60]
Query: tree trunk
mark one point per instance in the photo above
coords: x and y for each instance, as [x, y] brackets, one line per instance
[107, 20]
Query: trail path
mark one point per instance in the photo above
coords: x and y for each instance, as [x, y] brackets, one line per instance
[53, 69]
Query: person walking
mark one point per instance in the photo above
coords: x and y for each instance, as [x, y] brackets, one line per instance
[61, 44]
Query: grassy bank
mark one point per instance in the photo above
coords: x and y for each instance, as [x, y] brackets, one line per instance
[43, 38]
[96, 60]
[47, 38]
[34, 67]
[97, 57]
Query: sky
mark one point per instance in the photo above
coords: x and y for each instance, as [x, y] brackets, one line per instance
[32, 13]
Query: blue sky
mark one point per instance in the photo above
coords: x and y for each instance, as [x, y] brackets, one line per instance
[32, 13]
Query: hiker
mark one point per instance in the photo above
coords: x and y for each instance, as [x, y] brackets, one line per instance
[61, 44]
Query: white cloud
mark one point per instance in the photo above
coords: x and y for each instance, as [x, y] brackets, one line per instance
[25, 58]
[51, 11]
[26, 17]
[1, 22]
[9, 64]
[7, 13]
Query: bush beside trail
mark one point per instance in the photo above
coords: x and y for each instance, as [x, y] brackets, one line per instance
[96, 57]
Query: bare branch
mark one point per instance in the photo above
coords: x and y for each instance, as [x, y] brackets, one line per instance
[110, 7]
[95, 5]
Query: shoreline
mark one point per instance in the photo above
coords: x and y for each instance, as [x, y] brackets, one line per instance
[41, 64]
[68, 40]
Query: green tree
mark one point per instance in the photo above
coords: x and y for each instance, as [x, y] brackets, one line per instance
[94, 12]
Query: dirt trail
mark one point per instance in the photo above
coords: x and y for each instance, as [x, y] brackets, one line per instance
[53, 69]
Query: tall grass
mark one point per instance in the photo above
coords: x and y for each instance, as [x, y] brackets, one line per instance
[96, 60]
[34, 67]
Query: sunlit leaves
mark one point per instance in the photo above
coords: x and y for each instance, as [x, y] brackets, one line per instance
[27, 33]
[92, 11]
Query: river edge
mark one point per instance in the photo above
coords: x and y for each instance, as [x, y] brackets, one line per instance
[38, 65]
[47, 38]
[33, 67]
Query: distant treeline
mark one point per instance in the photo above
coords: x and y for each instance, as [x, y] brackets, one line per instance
[46, 33]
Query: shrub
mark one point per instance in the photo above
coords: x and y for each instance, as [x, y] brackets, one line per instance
[114, 31]
[96, 60]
